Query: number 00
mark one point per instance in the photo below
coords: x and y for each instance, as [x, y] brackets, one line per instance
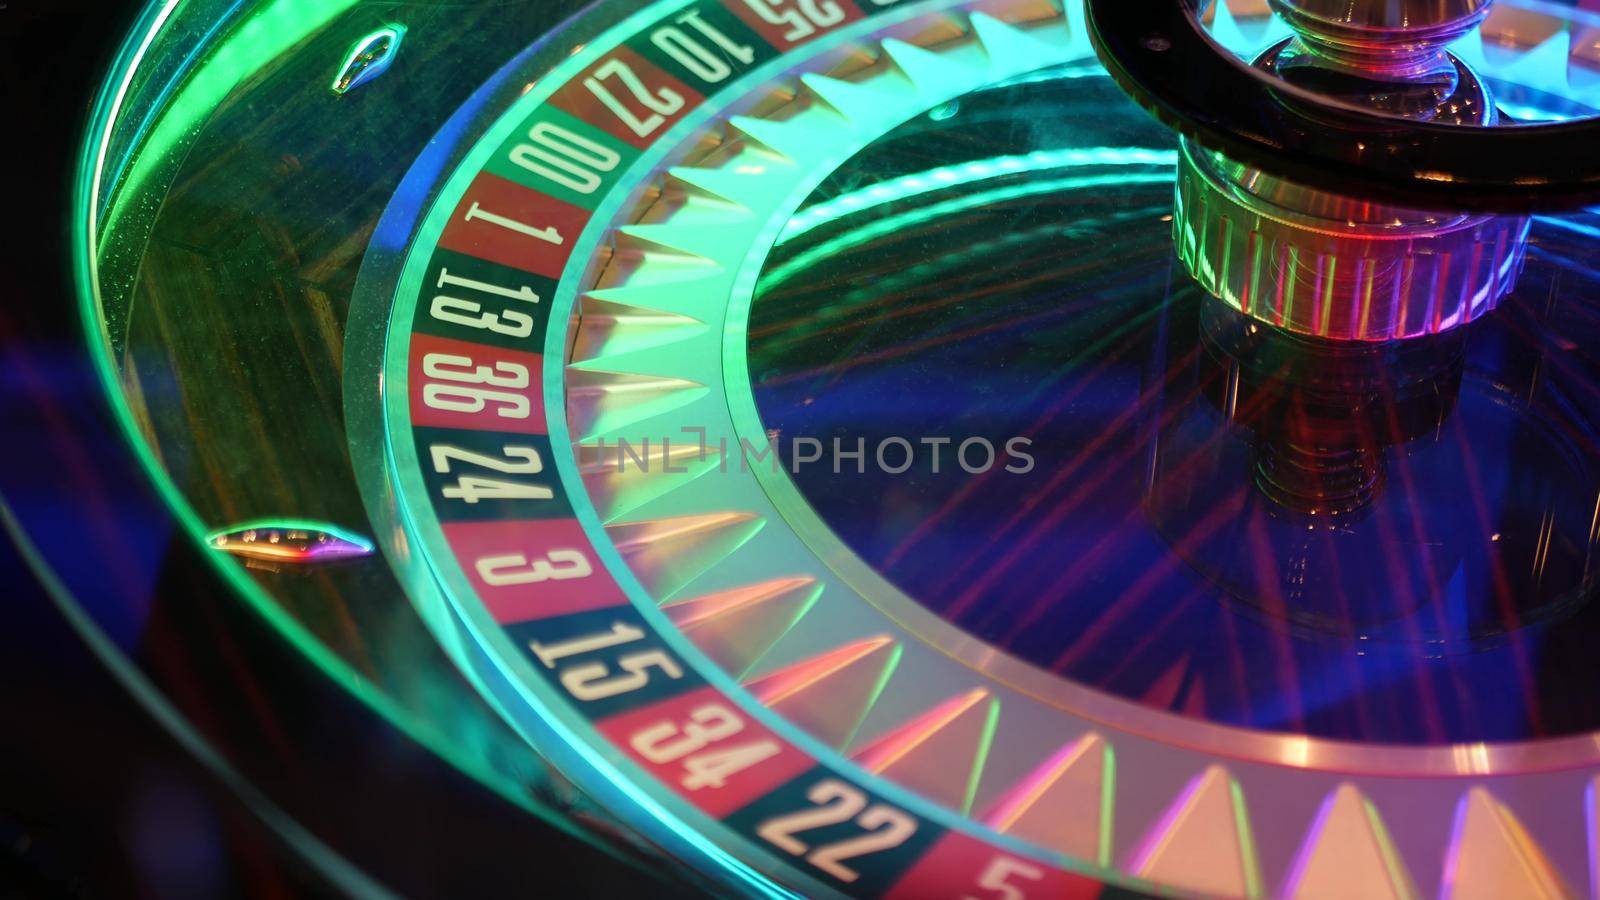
[569, 159]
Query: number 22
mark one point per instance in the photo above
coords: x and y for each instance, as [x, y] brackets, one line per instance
[838, 803]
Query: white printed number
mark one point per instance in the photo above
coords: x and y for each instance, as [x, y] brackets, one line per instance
[837, 803]
[804, 17]
[596, 680]
[1000, 877]
[453, 377]
[459, 311]
[668, 742]
[657, 104]
[548, 234]
[473, 488]
[517, 568]
[566, 158]
[687, 45]
[464, 311]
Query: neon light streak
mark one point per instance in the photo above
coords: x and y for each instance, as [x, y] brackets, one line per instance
[884, 753]
[289, 540]
[265, 35]
[1043, 781]
[780, 686]
[967, 173]
[911, 218]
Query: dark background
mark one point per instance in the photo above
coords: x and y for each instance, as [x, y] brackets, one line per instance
[96, 799]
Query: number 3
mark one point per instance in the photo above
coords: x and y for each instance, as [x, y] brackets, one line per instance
[516, 568]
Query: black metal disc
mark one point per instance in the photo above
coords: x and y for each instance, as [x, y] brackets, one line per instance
[1158, 53]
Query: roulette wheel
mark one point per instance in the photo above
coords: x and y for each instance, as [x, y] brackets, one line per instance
[902, 448]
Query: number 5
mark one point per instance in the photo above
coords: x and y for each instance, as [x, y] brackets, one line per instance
[996, 877]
